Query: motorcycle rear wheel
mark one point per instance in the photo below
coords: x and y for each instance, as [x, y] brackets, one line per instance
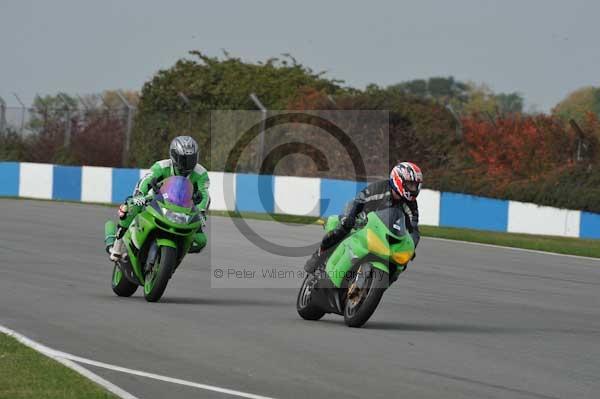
[304, 306]
[120, 285]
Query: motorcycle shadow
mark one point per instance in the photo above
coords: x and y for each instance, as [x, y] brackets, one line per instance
[219, 301]
[200, 301]
[443, 328]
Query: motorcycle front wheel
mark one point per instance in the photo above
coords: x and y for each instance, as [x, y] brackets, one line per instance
[157, 277]
[364, 294]
[120, 285]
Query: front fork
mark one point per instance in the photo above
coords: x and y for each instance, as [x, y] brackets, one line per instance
[359, 283]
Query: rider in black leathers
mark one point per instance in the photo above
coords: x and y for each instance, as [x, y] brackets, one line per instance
[401, 190]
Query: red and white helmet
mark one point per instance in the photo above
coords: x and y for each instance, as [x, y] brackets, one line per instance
[406, 179]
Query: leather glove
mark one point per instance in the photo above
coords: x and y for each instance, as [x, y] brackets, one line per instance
[197, 198]
[139, 200]
[348, 222]
[361, 220]
[123, 209]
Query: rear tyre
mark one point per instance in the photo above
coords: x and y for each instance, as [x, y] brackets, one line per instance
[306, 309]
[361, 304]
[156, 279]
[120, 285]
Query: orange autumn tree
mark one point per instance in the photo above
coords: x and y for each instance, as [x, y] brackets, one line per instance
[519, 147]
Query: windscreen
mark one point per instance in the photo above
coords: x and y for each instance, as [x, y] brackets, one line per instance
[178, 190]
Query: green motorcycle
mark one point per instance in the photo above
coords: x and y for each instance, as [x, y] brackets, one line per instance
[157, 240]
[359, 270]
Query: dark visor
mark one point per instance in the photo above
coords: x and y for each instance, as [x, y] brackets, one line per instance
[411, 185]
[185, 163]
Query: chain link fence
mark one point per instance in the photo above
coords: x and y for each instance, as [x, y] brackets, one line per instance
[73, 135]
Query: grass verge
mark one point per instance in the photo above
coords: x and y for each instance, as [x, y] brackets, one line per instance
[561, 245]
[25, 373]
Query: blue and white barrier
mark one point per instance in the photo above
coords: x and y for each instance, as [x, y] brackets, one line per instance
[295, 196]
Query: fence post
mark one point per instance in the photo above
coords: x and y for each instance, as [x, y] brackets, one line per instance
[2, 116]
[68, 126]
[187, 102]
[580, 140]
[130, 111]
[261, 148]
[459, 126]
[107, 108]
[332, 100]
[23, 110]
[38, 99]
[84, 105]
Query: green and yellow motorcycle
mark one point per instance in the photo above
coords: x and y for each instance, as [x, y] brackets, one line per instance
[157, 240]
[357, 272]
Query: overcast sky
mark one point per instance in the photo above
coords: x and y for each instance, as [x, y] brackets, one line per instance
[541, 48]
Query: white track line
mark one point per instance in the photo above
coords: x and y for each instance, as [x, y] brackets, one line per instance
[162, 377]
[67, 359]
[535, 251]
[51, 353]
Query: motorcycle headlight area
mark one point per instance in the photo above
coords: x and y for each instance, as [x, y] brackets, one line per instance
[176, 217]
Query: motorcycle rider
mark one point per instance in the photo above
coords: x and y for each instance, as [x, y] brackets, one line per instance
[183, 161]
[401, 191]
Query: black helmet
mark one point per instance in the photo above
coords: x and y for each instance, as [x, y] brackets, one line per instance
[184, 154]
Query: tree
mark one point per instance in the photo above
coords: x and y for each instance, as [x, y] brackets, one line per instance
[578, 103]
[465, 97]
[50, 111]
[440, 88]
[510, 103]
[213, 83]
[417, 87]
[524, 147]
[480, 100]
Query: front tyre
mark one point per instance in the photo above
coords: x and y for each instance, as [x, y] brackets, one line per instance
[306, 309]
[120, 285]
[156, 279]
[364, 294]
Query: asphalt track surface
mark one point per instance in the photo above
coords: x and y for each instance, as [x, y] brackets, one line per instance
[464, 321]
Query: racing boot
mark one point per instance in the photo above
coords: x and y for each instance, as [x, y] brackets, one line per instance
[117, 250]
[198, 244]
[316, 260]
[329, 242]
